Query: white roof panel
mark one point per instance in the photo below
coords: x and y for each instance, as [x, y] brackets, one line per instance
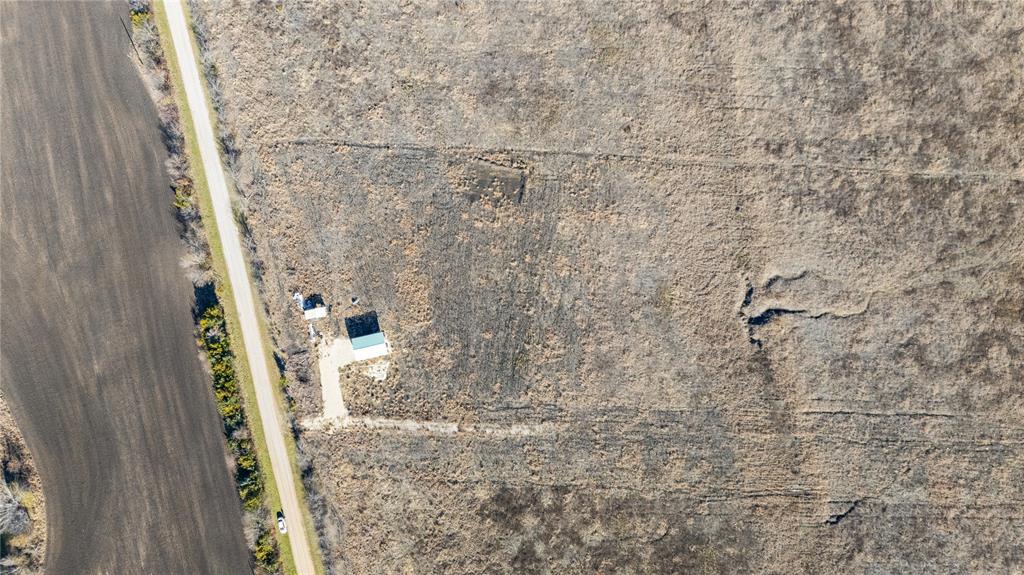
[315, 313]
[370, 352]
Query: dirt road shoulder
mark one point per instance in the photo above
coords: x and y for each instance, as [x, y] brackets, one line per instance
[276, 448]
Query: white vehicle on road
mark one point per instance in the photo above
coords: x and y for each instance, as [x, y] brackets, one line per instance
[238, 274]
[280, 523]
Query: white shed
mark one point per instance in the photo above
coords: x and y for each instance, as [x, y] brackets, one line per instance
[315, 313]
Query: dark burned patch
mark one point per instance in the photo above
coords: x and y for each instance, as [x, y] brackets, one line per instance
[493, 183]
[542, 528]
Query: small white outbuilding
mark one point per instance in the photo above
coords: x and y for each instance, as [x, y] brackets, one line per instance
[315, 313]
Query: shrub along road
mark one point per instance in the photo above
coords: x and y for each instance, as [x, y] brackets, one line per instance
[98, 356]
[238, 275]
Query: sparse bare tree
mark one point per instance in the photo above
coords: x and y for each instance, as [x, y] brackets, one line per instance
[252, 526]
[196, 268]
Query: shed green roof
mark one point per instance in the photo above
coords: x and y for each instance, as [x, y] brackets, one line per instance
[368, 340]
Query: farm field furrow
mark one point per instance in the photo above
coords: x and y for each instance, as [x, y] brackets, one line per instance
[99, 361]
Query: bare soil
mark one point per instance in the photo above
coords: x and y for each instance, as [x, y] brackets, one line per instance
[752, 271]
[98, 359]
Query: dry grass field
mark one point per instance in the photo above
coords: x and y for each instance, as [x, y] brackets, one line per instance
[732, 288]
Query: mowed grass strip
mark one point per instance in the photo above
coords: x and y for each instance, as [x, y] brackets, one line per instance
[225, 294]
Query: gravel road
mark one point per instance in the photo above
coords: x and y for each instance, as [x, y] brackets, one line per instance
[270, 415]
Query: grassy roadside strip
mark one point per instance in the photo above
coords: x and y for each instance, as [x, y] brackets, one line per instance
[225, 294]
[198, 198]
